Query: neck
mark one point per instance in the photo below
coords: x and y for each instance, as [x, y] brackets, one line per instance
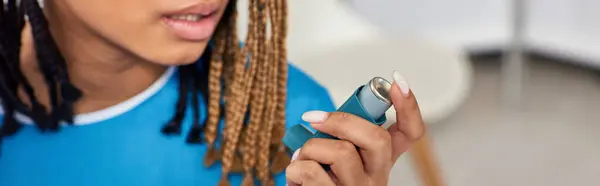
[106, 75]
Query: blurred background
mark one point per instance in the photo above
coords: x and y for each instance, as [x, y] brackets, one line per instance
[510, 88]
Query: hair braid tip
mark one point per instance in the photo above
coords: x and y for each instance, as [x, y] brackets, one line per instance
[280, 161]
[248, 179]
[211, 156]
[224, 181]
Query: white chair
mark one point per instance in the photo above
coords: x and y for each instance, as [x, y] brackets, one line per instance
[439, 77]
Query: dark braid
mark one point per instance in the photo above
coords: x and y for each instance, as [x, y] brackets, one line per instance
[204, 65]
[194, 135]
[174, 126]
[14, 27]
[9, 22]
[2, 10]
[40, 35]
[10, 126]
[190, 82]
[52, 65]
[11, 25]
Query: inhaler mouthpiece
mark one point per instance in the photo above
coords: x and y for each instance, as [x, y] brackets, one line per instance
[375, 97]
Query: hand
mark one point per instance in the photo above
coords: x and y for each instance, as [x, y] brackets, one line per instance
[365, 153]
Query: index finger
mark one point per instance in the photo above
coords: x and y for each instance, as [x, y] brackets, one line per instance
[345, 126]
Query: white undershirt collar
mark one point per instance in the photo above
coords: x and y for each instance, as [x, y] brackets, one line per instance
[115, 110]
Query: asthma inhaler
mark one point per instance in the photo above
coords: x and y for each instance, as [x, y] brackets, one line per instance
[369, 101]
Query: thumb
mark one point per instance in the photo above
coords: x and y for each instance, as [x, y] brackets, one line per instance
[409, 125]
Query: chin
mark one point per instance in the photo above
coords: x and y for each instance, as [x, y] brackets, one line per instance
[175, 56]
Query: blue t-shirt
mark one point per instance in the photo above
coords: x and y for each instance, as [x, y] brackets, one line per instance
[123, 146]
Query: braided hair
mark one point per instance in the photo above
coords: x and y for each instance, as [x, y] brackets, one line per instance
[245, 87]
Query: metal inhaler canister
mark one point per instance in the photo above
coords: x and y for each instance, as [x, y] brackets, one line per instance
[369, 101]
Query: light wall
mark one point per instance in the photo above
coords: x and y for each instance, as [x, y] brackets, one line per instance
[564, 28]
[567, 28]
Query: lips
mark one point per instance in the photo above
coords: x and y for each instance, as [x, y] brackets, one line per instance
[194, 23]
[187, 17]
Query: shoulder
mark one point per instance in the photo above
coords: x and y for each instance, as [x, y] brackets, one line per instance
[302, 85]
[305, 94]
[298, 79]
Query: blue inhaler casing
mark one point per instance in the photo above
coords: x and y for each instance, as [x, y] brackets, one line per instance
[369, 101]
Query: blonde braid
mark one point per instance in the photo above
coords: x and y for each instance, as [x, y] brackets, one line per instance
[232, 50]
[265, 139]
[274, 32]
[269, 122]
[260, 85]
[214, 102]
[249, 155]
[250, 46]
[237, 105]
[281, 159]
[257, 99]
[283, 68]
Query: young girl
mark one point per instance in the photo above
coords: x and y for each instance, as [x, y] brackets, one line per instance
[160, 92]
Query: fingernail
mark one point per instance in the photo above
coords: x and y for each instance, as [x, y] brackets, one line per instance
[315, 116]
[401, 83]
[295, 155]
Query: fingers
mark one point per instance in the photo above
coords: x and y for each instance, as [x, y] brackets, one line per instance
[379, 148]
[374, 141]
[307, 173]
[351, 128]
[342, 156]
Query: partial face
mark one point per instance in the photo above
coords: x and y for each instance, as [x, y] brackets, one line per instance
[168, 32]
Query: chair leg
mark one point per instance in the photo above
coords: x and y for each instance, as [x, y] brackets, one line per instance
[425, 162]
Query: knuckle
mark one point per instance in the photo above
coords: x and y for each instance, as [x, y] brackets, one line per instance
[311, 147]
[311, 143]
[413, 104]
[310, 170]
[342, 116]
[303, 170]
[345, 148]
[416, 133]
[292, 170]
[382, 139]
